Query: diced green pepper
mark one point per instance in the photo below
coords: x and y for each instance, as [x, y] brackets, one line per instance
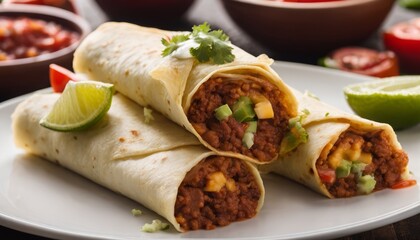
[358, 167]
[366, 184]
[243, 110]
[222, 112]
[243, 100]
[343, 170]
[296, 135]
[248, 139]
[252, 127]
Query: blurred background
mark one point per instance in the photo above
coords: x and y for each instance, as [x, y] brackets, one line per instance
[286, 31]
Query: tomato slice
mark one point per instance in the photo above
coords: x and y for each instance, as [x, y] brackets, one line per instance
[326, 175]
[364, 61]
[404, 184]
[59, 77]
[404, 39]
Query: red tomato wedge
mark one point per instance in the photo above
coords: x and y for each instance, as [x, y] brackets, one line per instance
[59, 77]
[404, 39]
[363, 61]
[404, 184]
[326, 175]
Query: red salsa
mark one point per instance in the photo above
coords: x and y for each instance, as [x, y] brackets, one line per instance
[25, 37]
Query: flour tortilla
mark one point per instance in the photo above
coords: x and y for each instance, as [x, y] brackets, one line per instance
[129, 56]
[145, 162]
[324, 124]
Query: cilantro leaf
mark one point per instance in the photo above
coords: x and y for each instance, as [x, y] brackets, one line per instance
[213, 45]
[219, 34]
[202, 53]
[203, 28]
[173, 43]
[222, 53]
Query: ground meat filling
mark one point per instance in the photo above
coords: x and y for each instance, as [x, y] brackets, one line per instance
[227, 135]
[216, 192]
[387, 163]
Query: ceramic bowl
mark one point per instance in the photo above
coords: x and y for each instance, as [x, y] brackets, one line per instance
[24, 75]
[145, 11]
[308, 27]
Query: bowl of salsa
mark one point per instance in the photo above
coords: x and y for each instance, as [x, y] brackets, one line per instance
[32, 38]
[308, 26]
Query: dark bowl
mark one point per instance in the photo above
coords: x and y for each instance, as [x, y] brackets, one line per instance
[24, 75]
[308, 27]
[145, 11]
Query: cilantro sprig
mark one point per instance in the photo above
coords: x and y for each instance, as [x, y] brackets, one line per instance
[213, 45]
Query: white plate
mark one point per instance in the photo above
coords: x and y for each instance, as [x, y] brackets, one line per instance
[44, 199]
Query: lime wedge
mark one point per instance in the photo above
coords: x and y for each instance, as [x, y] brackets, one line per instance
[80, 106]
[393, 100]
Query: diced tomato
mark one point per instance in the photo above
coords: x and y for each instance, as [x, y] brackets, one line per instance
[25, 37]
[404, 39]
[59, 77]
[404, 184]
[326, 175]
[363, 61]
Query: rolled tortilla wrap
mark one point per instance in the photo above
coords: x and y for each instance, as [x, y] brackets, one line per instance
[188, 92]
[342, 153]
[159, 164]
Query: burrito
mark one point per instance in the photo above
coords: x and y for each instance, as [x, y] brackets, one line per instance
[195, 95]
[157, 164]
[345, 155]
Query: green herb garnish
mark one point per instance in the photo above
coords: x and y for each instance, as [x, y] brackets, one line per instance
[136, 212]
[173, 43]
[213, 45]
[148, 117]
[155, 226]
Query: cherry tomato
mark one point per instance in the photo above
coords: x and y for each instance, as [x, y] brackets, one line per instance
[404, 184]
[363, 61]
[59, 77]
[404, 39]
[310, 1]
[326, 175]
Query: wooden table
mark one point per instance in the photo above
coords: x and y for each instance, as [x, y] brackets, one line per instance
[213, 12]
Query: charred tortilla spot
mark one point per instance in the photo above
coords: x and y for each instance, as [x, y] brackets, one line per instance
[135, 133]
[311, 171]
